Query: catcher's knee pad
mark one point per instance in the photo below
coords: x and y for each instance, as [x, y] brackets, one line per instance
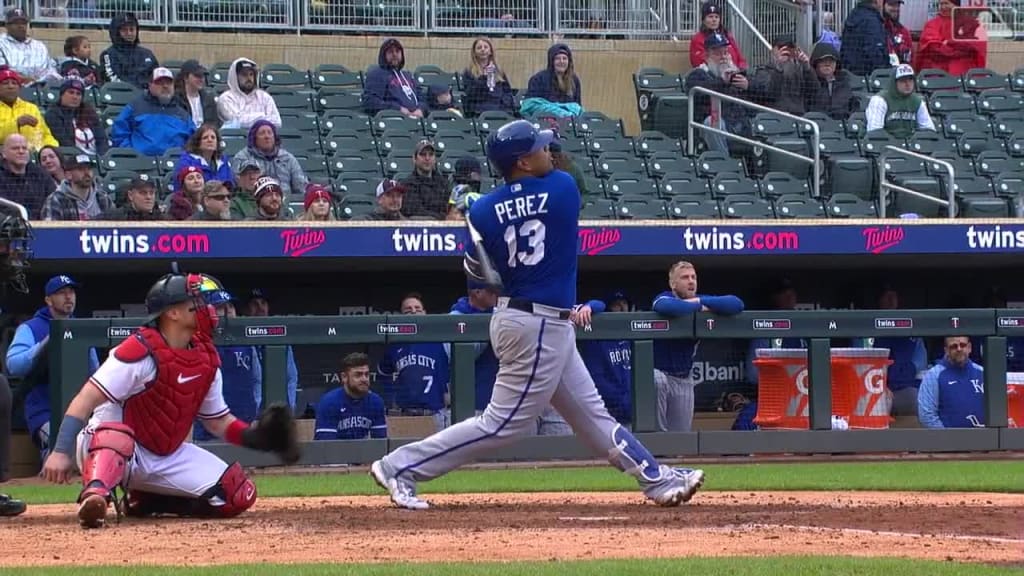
[105, 467]
[233, 494]
[630, 456]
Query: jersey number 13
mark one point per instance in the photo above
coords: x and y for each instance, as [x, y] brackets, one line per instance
[532, 231]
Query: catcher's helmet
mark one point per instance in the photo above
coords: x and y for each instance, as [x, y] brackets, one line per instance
[514, 140]
[176, 288]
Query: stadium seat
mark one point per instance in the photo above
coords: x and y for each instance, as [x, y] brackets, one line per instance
[397, 144]
[491, 120]
[661, 164]
[981, 79]
[902, 203]
[336, 101]
[344, 120]
[444, 120]
[994, 102]
[983, 208]
[850, 206]
[674, 185]
[826, 125]
[1009, 184]
[395, 121]
[898, 165]
[943, 103]
[992, 163]
[775, 184]
[652, 143]
[670, 115]
[573, 145]
[315, 167]
[165, 164]
[1015, 146]
[931, 80]
[126, 159]
[972, 185]
[597, 123]
[295, 101]
[693, 209]
[618, 164]
[1007, 125]
[362, 166]
[880, 79]
[650, 84]
[954, 125]
[330, 69]
[232, 145]
[594, 185]
[961, 166]
[349, 141]
[875, 143]
[730, 184]
[974, 143]
[927, 142]
[630, 186]
[767, 125]
[218, 73]
[429, 75]
[835, 144]
[304, 120]
[118, 94]
[711, 163]
[598, 209]
[598, 144]
[459, 143]
[747, 207]
[358, 210]
[851, 175]
[628, 208]
[115, 183]
[357, 185]
[775, 162]
[349, 81]
[855, 126]
[273, 77]
[798, 206]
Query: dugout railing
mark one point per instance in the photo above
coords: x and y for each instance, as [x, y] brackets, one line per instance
[71, 340]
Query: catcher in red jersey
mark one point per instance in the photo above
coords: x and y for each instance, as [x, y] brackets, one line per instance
[140, 407]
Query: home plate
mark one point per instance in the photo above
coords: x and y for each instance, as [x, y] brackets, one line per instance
[592, 518]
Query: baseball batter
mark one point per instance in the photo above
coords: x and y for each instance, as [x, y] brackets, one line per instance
[529, 228]
[142, 402]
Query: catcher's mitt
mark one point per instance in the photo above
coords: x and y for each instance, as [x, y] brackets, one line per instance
[274, 432]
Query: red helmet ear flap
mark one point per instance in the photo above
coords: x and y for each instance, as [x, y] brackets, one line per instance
[194, 283]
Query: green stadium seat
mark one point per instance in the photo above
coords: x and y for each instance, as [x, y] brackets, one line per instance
[573, 145]
[850, 206]
[362, 166]
[851, 175]
[711, 163]
[1015, 146]
[444, 120]
[293, 101]
[927, 142]
[767, 125]
[486, 122]
[618, 164]
[775, 162]
[731, 184]
[338, 101]
[992, 162]
[682, 208]
[675, 185]
[670, 115]
[357, 185]
[642, 208]
[304, 120]
[826, 125]
[635, 186]
[776, 184]
[429, 74]
[594, 185]
[597, 123]
[902, 203]
[459, 143]
[348, 81]
[798, 206]
[1009, 184]
[315, 167]
[983, 208]
[974, 143]
[954, 125]
[971, 185]
[349, 141]
[943, 103]
[875, 143]
[747, 208]
[344, 120]
[117, 94]
[931, 80]
[271, 77]
[651, 143]
[995, 102]
[1007, 125]
[395, 121]
[661, 164]
[981, 79]
[855, 126]
[397, 144]
[599, 144]
[835, 144]
[598, 209]
[961, 166]
[649, 85]
[880, 79]
[218, 73]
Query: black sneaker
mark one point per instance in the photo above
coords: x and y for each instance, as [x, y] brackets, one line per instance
[10, 507]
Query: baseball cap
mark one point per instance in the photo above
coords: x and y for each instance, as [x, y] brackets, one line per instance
[257, 294]
[8, 74]
[58, 283]
[249, 165]
[784, 40]
[616, 296]
[267, 184]
[709, 8]
[192, 67]
[75, 160]
[904, 71]
[387, 185]
[245, 65]
[138, 183]
[424, 144]
[715, 40]
[15, 15]
[161, 73]
[72, 83]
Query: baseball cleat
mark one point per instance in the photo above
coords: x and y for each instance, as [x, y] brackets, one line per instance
[11, 507]
[677, 486]
[92, 512]
[403, 492]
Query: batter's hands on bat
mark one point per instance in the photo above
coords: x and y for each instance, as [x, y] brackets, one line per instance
[274, 432]
[581, 315]
[58, 468]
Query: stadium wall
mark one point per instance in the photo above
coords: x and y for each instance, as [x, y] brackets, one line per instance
[604, 66]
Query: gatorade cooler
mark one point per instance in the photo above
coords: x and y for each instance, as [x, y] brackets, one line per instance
[859, 392]
[1015, 399]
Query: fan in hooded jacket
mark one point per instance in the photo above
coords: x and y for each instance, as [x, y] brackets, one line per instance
[389, 86]
[245, 102]
[126, 60]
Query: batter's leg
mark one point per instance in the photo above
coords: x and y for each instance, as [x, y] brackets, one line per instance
[551, 423]
[577, 399]
[532, 353]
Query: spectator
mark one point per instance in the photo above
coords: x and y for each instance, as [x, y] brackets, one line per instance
[78, 62]
[485, 84]
[417, 374]
[439, 99]
[269, 200]
[426, 188]
[711, 23]
[203, 150]
[783, 296]
[787, 82]
[18, 116]
[554, 91]
[952, 392]
[75, 123]
[28, 355]
[187, 200]
[77, 197]
[243, 202]
[952, 41]
[240, 370]
[609, 361]
[390, 195]
[480, 299]
[317, 205]
[153, 123]
[832, 91]
[563, 161]
[274, 161]
[899, 110]
[353, 411]
[720, 74]
[828, 34]
[673, 359]
[192, 95]
[900, 42]
[22, 181]
[259, 306]
[909, 360]
[216, 203]
[389, 86]
[466, 187]
[126, 60]
[140, 205]
[50, 162]
[865, 48]
[27, 56]
[245, 103]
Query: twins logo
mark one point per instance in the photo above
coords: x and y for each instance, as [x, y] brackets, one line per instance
[298, 242]
[462, 327]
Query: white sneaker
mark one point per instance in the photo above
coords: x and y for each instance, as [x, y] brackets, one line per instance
[677, 485]
[403, 492]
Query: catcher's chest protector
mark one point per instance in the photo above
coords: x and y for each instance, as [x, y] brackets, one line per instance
[162, 414]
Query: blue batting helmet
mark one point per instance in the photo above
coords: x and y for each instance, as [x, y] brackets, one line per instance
[514, 140]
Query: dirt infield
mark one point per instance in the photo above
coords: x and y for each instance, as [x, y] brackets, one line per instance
[962, 527]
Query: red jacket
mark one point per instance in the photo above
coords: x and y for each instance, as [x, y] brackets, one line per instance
[899, 40]
[697, 50]
[938, 48]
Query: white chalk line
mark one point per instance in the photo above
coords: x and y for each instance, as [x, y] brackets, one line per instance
[592, 518]
[890, 533]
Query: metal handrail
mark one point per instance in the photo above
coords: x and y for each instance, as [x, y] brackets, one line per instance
[22, 211]
[884, 186]
[750, 25]
[814, 159]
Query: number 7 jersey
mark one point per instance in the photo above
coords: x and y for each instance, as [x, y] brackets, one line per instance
[529, 229]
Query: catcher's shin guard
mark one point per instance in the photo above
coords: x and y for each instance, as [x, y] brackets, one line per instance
[104, 469]
[230, 496]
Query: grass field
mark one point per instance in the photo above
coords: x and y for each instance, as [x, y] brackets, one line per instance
[780, 566]
[939, 476]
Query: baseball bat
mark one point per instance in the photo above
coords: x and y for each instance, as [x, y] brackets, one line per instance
[487, 269]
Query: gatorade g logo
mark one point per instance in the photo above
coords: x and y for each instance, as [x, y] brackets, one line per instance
[874, 381]
[801, 401]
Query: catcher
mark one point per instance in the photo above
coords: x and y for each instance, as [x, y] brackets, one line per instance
[142, 402]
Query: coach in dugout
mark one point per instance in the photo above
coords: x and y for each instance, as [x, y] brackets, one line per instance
[953, 392]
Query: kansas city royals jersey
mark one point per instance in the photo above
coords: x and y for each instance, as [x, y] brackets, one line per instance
[342, 417]
[529, 228]
[609, 364]
[420, 374]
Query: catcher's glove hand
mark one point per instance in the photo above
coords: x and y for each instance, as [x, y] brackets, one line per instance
[274, 432]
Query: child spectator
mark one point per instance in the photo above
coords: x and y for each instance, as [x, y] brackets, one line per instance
[77, 61]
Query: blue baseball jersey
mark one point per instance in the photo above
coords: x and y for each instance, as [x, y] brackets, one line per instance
[610, 366]
[419, 373]
[342, 417]
[529, 229]
[676, 356]
[1014, 352]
